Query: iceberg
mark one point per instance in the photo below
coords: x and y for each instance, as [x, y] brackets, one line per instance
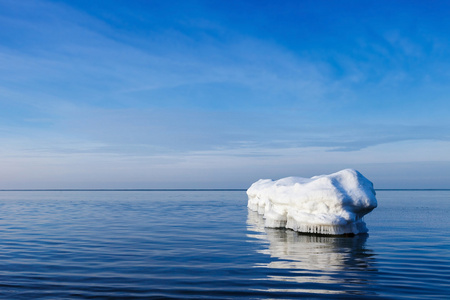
[332, 204]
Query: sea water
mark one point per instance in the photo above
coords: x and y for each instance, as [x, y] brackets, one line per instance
[206, 244]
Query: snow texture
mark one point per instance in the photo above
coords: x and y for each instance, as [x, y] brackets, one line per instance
[327, 204]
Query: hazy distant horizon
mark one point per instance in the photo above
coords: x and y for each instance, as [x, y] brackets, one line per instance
[175, 190]
[392, 180]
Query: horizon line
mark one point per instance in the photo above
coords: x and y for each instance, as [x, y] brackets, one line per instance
[186, 190]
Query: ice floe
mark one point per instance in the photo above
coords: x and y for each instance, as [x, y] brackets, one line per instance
[327, 204]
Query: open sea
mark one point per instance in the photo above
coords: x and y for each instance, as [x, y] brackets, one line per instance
[207, 245]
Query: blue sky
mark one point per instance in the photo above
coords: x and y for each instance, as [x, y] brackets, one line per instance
[217, 94]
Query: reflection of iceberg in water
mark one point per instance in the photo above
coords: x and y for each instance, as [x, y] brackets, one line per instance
[314, 264]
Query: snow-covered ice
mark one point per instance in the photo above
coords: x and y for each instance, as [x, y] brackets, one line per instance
[326, 204]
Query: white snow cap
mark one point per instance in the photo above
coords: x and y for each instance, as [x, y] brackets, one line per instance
[326, 204]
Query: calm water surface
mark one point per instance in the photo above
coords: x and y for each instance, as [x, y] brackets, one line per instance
[185, 244]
